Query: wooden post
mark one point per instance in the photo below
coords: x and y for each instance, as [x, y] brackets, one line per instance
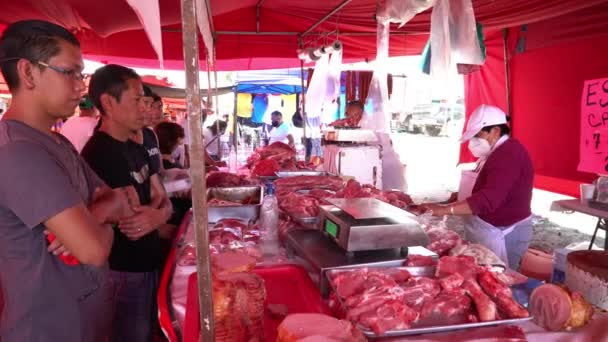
[197, 168]
[217, 105]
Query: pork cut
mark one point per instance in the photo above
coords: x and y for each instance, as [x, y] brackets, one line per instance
[502, 295]
[451, 282]
[391, 315]
[449, 307]
[299, 206]
[482, 255]
[226, 180]
[308, 182]
[486, 308]
[418, 290]
[267, 167]
[463, 265]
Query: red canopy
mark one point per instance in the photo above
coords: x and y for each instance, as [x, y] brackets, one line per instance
[110, 31]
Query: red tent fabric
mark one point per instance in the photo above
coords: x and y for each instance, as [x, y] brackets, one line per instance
[547, 72]
[110, 29]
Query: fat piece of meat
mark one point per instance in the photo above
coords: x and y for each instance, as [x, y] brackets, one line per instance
[391, 315]
[463, 265]
[442, 240]
[449, 307]
[451, 282]
[417, 291]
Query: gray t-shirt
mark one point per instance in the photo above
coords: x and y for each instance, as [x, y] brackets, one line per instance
[45, 299]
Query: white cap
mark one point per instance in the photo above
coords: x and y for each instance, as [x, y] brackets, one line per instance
[483, 116]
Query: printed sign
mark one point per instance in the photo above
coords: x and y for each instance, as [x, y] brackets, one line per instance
[594, 127]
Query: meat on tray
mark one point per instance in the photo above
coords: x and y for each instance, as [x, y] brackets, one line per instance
[419, 260]
[556, 308]
[297, 205]
[442, 240]
[308, 182]
[266, 161]
[316, 328]
[226, 180]
[385, 299]
[215, 202]
[266, 167]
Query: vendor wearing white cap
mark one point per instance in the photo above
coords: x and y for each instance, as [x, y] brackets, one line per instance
[498, 212]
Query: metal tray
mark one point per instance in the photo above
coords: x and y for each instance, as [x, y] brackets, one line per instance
[417, 272]
[244, 212]
[283, 174]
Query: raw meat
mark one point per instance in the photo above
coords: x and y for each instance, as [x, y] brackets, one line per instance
[502, 295]
[464, 265]
[321, 194]
[299, 206]
[265, 161]
[238, 307]
[267, 167]
[486, 308]
[510, 307]
[451, 282]
[504, 333]
[350, 283]
[449, 307]
[420, 260]
[302, 325]
[417, 291]
[492, 285]
[482, 255]
[350, 122]
[391, 315]
[226, 180]
[232, 262]
[442, 240]
[308, 182]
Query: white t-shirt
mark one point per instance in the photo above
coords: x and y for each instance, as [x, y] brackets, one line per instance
[78, 130]
[279, 133]
[208, 136]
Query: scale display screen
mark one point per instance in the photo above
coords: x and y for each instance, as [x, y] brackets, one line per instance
[331, 228]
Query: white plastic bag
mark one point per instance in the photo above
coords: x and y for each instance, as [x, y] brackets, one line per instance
[402, 11]
[377, 105]
[453, 38]
[315, 95]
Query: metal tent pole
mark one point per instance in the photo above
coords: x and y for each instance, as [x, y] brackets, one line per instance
[217, 104]
[197, 168]
[304, 116]
[505, 36]
[327, 16]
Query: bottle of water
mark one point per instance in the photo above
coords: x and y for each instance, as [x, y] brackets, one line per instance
[232, 160]
[269, 222]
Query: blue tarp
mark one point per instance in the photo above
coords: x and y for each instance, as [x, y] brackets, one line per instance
[279, 81]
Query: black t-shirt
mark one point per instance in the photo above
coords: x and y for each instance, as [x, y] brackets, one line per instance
[121, 164]
[168, 165]
[151, 145]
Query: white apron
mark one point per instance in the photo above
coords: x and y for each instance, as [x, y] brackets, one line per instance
[476, 229]
[479, 231]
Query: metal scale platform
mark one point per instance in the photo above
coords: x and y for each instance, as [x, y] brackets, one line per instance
[358, 233]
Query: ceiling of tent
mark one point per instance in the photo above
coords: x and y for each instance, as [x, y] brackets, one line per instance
[110, 31]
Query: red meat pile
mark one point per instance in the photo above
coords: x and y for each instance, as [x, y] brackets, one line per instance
[392, 299]
[266, 161]
[303, 194]
[227, 180]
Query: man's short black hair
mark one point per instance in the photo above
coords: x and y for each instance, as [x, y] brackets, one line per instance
[223, 125]
[504, 129]
[357, 104]
[276, 112]
[34, 40]
[156, 98]
[168, 134]
[110, 79]
[147, 91]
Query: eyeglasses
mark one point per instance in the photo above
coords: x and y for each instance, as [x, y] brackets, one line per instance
[75, 75]
[71, 73]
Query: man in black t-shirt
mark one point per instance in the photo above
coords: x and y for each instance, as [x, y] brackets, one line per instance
[149, 139]
[117, 93]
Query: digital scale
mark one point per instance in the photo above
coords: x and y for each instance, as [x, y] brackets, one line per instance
[359, 232]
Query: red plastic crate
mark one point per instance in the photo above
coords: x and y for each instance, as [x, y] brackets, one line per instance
[289, 285]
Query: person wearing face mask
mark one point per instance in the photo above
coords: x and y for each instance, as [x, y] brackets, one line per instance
[280, 130]
[497, 210]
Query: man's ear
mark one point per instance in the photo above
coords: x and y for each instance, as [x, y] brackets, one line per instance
[25, 72]
[107, 103]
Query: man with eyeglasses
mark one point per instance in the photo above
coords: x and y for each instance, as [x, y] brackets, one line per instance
[54, 211]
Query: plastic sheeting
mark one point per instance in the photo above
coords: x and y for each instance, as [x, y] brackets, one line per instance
[377, 105]
[402, 11]
[453, 38]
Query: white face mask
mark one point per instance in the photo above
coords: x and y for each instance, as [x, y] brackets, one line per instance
[479, 147]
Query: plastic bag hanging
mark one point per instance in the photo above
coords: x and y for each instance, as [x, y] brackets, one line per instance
[315, 94]
[377, 105]
[332, 92]
[402, 11]
[453, 38]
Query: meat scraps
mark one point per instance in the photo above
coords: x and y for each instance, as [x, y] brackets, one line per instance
[486, 308]
[449, 307]
[298, 206]
[299, 326]
[502, 295]
[266, 161]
